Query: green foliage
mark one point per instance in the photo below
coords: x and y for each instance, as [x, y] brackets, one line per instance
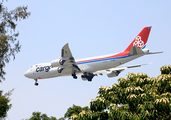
[39, 116]
[137, 97]
[4, 104]
[75, 110]
[62, 118]
[165, 69]
[9, 45]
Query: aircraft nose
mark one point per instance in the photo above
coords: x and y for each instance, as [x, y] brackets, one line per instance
[27, 74]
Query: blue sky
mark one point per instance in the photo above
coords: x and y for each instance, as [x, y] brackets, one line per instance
[92, 28]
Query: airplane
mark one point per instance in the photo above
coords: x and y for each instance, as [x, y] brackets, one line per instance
[90, 67]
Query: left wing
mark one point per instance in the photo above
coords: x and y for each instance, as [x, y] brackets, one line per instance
[113, 72]
[65, 52]
[67, 62]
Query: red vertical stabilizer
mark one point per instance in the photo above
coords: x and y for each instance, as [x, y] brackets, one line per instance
[141, 39]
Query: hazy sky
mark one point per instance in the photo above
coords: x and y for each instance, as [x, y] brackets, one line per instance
[92, 28]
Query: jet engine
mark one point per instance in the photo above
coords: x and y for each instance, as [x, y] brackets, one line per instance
[56, 70]
[53, 70]
[59, 62]
[113, 73]
[60, 69]
[55, 63]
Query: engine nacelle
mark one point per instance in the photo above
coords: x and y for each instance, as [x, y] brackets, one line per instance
[113, 73]
[57, 62]
[53, 70]
[60, 69]
[145, 50]
[56, 70]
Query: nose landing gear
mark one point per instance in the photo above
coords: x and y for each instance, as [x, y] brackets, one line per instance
[36, 83]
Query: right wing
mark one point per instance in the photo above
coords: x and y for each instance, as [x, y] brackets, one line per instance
[113, 72]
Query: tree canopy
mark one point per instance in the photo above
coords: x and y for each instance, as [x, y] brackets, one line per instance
[9, 44]
[4, 104]
[136, 97]
[40, 116]
[75, 110]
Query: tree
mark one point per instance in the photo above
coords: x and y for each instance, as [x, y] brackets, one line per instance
[40, 116]
[9, 45]
[62, 118]
[75, 110]
[4, 104]
[137, 97]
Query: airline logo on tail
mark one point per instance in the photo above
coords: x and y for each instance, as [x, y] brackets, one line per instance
[138, 42]
[141, 39]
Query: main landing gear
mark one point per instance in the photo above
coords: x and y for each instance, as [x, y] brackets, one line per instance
[74, 76]
[87, 76]
[36, 83]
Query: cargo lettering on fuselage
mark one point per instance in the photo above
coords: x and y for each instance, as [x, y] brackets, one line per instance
[45, 68]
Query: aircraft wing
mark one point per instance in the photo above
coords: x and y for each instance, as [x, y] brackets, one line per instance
[65, 52]
[68, 63]
[118, 69]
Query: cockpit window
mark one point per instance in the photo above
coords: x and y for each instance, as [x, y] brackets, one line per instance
[31, 66]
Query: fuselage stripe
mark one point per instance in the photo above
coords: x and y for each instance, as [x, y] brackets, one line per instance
[91, 61]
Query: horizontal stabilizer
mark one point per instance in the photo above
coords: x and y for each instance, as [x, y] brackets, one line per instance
[135, 50]
[154, 53]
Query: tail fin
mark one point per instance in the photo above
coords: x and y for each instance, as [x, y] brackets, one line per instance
[141, 39]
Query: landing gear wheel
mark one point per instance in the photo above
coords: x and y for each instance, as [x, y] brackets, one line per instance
[88, 76]
[74, 76]
[36, 84]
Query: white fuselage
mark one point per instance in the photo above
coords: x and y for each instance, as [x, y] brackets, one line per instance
[45, 70]
[89, 67]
